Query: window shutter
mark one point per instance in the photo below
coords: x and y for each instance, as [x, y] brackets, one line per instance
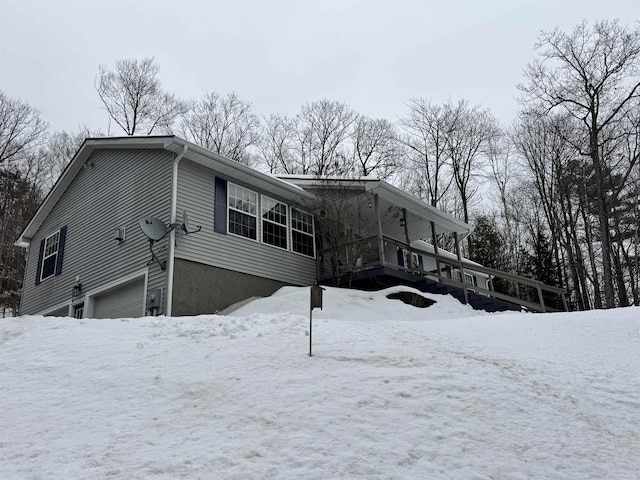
[40, 255]
[220, 211]
[420, 262]
[63, 237]
[400, 257]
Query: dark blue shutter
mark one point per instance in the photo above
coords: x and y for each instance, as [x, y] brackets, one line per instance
[61, 241]
[220, 212]
[40, 255]
[400, 257]
[420, 262]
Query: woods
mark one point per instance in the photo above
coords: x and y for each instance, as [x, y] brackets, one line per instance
[554, 195]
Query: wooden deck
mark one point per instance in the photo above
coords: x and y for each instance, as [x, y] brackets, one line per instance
[373, 263]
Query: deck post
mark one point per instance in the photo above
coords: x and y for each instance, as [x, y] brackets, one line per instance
[403, 222]
[376, 202]
[543, 308]
[461, 268]
[434, 241]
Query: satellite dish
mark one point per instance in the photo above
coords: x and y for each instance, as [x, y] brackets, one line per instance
[153, 228]
[185, 224]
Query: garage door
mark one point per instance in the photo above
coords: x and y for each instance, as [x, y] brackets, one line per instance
[124, 301]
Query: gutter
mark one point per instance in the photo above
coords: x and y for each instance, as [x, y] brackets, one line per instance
[172, 234]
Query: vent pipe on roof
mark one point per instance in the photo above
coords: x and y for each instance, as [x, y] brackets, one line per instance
[172, 236]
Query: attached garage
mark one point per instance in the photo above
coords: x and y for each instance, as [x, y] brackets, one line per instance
[124, 301]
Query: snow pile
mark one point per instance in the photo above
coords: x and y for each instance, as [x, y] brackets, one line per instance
[392, 392]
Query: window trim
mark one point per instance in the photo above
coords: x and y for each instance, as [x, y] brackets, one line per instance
[230, 186]
[312, 234]
[287, 233]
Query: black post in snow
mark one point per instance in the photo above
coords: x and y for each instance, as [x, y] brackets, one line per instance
[316, 301]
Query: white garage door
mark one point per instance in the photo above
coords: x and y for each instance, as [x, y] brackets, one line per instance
[124, 301]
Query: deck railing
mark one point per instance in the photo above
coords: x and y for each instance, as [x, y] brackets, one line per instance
[364, 254]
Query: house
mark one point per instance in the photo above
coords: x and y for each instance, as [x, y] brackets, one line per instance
[88, 256]
[160, 226]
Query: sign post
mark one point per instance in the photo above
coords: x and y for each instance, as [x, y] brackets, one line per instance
[316, 301]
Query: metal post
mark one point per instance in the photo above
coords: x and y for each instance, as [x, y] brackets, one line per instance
[310, 326]
[315, 301]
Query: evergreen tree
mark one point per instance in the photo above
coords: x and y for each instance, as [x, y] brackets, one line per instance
[487, 246]
[538, 262]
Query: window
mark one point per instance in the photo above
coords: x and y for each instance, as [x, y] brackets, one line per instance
[50, 256]
[302, 232]
[274, 222]
[242, 206]
[468, 278]
[237, 210]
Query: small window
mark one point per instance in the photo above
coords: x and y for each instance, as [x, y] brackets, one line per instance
[468, 278]
[274, 222]
[50, 255]
[78, 310]
[243, 206]
[302, 233]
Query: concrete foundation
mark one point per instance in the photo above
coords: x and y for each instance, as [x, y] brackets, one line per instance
[200, 289]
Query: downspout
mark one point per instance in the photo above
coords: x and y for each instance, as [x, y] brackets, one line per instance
[172, 234]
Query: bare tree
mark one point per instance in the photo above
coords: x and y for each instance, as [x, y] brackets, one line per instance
[593, 74]
[376, 149]
[427, 128]
[504, 166]
[19, 199]
[277, 144]
[134, 99]
[21, 129]
[54, 156]
[466, 142]
[223, 124]
[323, 128]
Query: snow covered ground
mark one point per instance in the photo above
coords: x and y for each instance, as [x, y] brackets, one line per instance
[392, 392]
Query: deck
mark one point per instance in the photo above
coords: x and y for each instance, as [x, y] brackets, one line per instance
[378, 262]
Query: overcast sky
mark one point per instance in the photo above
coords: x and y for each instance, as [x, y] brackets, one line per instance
[373, 56]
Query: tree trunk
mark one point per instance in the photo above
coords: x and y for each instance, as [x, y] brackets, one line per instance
[603, 214]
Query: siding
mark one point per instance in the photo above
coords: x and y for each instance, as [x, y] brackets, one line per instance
[196, 194]
[117, 189]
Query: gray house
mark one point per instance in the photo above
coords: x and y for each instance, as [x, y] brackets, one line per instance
[159, 226]
[88, 255]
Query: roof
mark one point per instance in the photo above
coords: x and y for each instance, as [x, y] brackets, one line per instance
[169, 143]
[421, 213]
